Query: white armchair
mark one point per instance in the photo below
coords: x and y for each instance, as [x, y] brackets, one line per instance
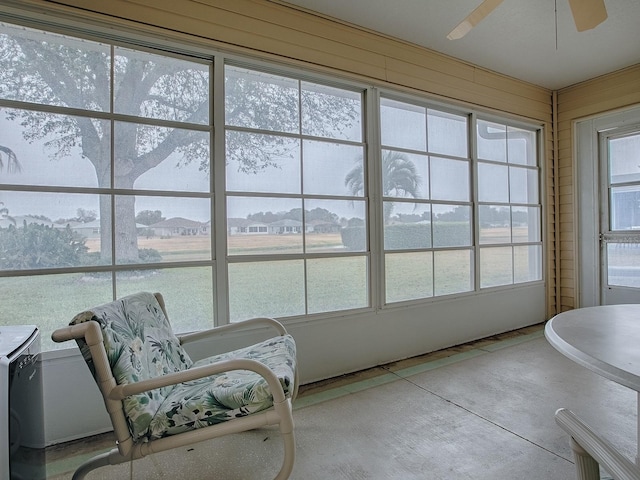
[158, 398]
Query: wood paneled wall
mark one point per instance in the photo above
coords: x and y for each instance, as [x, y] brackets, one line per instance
[603, 94]
[279, 32]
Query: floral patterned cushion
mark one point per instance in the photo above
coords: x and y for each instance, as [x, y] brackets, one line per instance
[140, 345]
[228, 395]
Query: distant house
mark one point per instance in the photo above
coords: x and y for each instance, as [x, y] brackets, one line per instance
[243, 226]
[176, 226]
[88, 229]
[285, 226]
[205, 228]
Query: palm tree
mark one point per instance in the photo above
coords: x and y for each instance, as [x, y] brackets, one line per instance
[400, 178]
[13, 166]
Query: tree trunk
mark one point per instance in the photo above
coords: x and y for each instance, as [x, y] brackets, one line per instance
[126, 235]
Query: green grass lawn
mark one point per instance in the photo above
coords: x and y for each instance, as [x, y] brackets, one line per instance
[274, 288]
[51, 301]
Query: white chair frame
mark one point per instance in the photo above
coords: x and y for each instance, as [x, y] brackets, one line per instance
[127, 449]
[590, 451]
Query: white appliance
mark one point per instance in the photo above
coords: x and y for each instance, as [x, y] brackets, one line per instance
[22, 454]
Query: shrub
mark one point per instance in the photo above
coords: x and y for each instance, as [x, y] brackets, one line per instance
[354, 238]
[40, 246]
[407, 236]
[149, 255]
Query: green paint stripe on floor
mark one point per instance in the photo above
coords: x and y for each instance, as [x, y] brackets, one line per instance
[70, 464]
[358, 386]
[514, 341]
[344, 390]
[371, 382]
[320, 397]
[441, 362]
[361, 385]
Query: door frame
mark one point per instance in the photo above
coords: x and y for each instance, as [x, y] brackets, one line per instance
[586, 165]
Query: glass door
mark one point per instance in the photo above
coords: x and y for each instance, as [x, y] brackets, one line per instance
[620, 217]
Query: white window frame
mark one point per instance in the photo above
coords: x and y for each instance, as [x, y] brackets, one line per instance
[371, 137]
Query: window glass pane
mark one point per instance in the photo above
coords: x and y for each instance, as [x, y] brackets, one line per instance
[493, 183]
[50, 149]
[492, 141]
[158, 86]
[326, 221]
[404, 175]
[408, 276]
[451, 225]
[64, 225]
[266, 289]
[159, 158]
[523, 185]
[447, 133]
[526, 224]
[625, 208]
[623, 159]
[261, 100]
[52, 230]
[262, 163]
[261, 225]
[522, 146]
[527, 263]
[495, 224]
[623, 262]
[452, 271]
[163, 229]
[331, 112]
[53, 69]
[408, 226]
[186, 291]
[403, 125]
[496, 266]
[337, 284]
[449, 180]
[51, 301]
[333, 168]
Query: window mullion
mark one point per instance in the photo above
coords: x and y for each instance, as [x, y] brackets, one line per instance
[373, 171]
[473, 147]
[218, 167]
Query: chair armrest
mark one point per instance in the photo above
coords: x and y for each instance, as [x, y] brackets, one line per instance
[90, 331]
[609, 458]
[119, 392]
[253, 322]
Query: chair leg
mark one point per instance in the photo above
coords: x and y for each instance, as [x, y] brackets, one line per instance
[112, 457]
[586, 466]
[289, 456]
[284, 410]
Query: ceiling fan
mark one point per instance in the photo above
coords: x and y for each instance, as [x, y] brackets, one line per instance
[587, 14]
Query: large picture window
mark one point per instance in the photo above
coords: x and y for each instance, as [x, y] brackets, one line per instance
[509, 210]
[296, 201]
[426, 202]
[106, 184]
[333, 197]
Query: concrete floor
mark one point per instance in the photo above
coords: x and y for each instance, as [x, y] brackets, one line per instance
[483, 410]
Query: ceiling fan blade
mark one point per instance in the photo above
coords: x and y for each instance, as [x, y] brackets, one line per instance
[475, 17]
[588, 14]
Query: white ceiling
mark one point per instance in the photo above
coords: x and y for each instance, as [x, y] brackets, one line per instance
[517, 39]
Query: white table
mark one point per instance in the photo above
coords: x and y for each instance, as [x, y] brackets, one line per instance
[604, 339]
